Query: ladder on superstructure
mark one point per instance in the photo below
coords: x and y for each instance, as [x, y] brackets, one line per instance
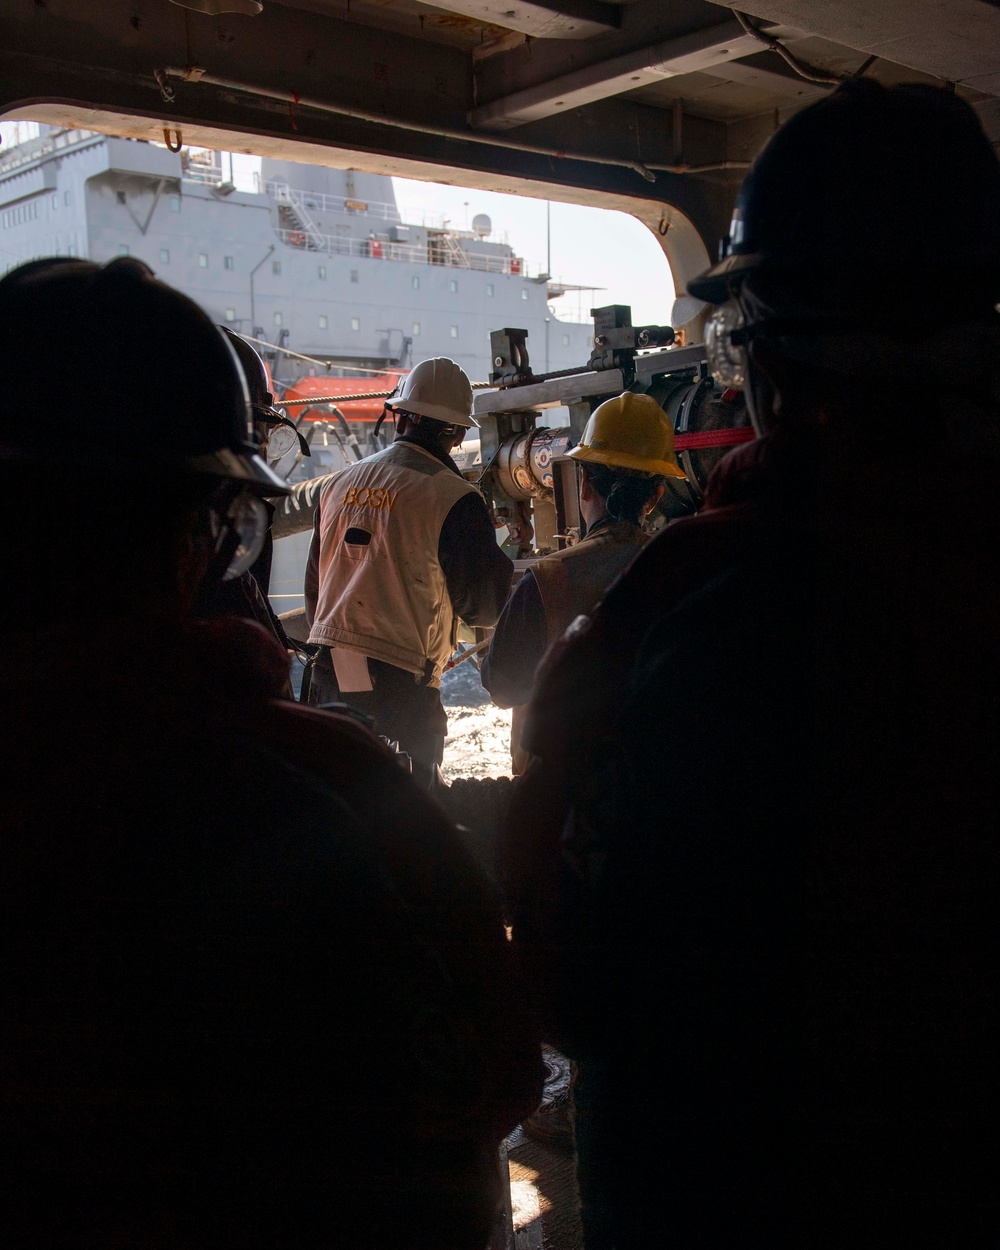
[295, 216]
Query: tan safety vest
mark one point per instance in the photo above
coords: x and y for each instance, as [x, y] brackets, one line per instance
[571, 583]
[382, 590]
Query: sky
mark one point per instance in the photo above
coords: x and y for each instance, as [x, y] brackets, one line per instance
[589, 246]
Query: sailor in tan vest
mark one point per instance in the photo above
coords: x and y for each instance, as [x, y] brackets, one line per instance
[626, 451]
[403, 546]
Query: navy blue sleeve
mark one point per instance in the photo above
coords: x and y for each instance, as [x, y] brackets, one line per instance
[477, 572]
[518, 645]
[296, 512]
[310, 585]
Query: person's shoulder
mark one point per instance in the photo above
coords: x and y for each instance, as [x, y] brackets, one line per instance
[331, 746]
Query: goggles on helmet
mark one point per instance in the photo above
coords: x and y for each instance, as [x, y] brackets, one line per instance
[725, 344]
[727, 334]
[283, 433]
[241, 531]
[281, 439]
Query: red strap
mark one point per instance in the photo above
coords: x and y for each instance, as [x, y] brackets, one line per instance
[714, 438]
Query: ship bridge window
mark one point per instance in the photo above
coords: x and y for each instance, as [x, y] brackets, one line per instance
[524, 292]
[122, 249]
[416, 327]
[164, 256]
[67, 197]
[489, 289]
[321, 273]
[175, 203]
[565, 340]
[203, 260]
[355, 323]
[454, 332]
[453, 285]
[55, 201]
[354, 275]
[230, 314]
[228, 263]
[415, 282]
[324, 321]
[277, 319]
[276, 266]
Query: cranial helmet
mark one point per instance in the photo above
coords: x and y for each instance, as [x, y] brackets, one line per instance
[142, 376]
[876, 187]
[255, 372]
[143, 383]
[438, 389]
[262, 401]
[630, 432]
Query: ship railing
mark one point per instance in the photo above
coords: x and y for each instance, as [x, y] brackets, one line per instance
[206, 175]
[413, 253]
[33, 149]
[321, 202]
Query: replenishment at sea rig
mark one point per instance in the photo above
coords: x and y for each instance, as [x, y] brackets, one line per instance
[531, 484]
[520, 463]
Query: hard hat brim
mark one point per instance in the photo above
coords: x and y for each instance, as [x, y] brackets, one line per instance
[250, 469]
[622, 460]
[267, 413]
[713, 285]
[436, 412]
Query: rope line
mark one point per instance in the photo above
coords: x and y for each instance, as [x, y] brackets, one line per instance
[349, 399]
[314, 360]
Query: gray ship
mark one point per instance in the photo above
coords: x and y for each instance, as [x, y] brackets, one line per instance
[317, 261]
[317, 265]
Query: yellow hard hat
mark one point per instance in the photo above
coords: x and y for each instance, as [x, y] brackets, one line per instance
[630, 432]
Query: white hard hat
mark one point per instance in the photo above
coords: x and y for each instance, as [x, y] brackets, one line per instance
[438, 389]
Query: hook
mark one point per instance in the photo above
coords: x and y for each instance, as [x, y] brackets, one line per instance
[166, 91]
[178, 139]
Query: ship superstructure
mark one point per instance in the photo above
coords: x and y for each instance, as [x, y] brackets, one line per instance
[317, 261]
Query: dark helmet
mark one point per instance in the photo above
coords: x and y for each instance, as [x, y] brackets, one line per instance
[261, 399]
[874, 188]
[134, 375]
[258, 383]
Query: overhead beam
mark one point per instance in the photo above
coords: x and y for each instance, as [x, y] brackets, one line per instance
[543, 19]
[958, 41]
[687, 54]
[767, 72]
[312, 88]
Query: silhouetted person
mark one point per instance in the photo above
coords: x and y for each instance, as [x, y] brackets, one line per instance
[247, 595]
[769, 922]
[625, 453]
[253, 992]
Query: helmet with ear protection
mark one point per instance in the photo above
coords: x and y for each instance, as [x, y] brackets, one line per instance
[842, 190]
[144, 377]
[262, 400]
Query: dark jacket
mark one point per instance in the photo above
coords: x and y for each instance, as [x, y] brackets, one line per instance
[765, 929]
[573, 715]
[254, 992]
[554, 591]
